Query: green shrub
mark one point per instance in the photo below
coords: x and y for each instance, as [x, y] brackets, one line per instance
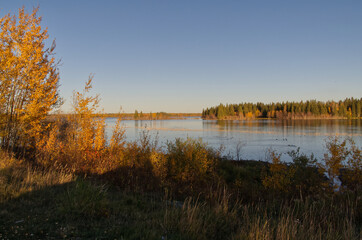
[189, 164]
[306, 180]
[300, 178]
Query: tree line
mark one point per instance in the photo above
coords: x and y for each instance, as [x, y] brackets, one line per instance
[348, 108]
[150, 116]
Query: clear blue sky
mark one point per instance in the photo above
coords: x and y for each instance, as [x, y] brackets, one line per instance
[183, 56]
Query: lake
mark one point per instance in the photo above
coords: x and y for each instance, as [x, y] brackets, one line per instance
[255, 137]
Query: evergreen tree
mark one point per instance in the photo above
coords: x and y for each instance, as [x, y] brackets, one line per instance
[136, 116]
[221, 113]
[354, 109]
[231, 111]
[240, 110]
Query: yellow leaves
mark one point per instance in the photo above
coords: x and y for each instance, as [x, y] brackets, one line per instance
[353, 176]
[87, 132]
[7, 160]
[83, 142]
[29, 79]
[99, 138]
[333, 160]
[158, 161]
[117, 140]
[189, 159]
[280, 176]
[88, 84]
[249, 115]
[343, 161]
[85, 105]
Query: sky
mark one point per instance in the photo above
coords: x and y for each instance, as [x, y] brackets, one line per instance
[183, 56]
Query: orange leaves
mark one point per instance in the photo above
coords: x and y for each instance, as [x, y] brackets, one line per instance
[117, 140]
[84, 105]
[249, 115]
[99, 135]
[83, 141]
[28, 79]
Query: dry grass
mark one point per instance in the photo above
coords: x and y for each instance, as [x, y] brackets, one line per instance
[222, 210]
[18, 177]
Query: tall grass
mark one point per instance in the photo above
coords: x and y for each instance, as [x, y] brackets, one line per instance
[223, 213]
[304, 219]
[18, 177]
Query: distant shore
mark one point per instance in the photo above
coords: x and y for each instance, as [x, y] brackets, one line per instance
[182, 116]
[325, 117]
[145, 116]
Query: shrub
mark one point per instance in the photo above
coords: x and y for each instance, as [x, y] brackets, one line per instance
[78, 142]
[280, 176]
[333, 161]
[352, 176]
[300, 178]
[306, 180]
[189, 163]
[343, 164]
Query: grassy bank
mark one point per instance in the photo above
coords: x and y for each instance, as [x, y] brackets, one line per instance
[54, 203]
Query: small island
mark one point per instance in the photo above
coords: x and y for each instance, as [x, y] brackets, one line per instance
[346, 109]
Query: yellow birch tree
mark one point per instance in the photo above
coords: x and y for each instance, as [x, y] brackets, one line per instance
[28, 79]
[84, 107]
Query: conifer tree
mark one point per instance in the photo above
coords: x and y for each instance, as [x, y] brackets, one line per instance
[354, 109]
[136, 116]
[221, 111]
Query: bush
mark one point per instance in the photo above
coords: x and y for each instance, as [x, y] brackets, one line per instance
[300, 178]
[306, 180]
[244, 178]
[189, 164]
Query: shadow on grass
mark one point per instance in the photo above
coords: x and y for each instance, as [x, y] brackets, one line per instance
[80, 209]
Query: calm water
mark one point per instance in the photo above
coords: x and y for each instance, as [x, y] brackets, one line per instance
[256, 137]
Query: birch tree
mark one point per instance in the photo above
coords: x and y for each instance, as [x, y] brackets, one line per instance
[28, 79]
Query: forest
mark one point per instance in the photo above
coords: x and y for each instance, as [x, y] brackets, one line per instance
[312, 109]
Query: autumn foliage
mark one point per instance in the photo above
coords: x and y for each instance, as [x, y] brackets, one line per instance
[340, 171]
[28, 80]
[255, 199]
[78, 142]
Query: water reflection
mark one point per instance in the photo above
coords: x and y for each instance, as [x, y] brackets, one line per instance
[297, 127]
[257, 136]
